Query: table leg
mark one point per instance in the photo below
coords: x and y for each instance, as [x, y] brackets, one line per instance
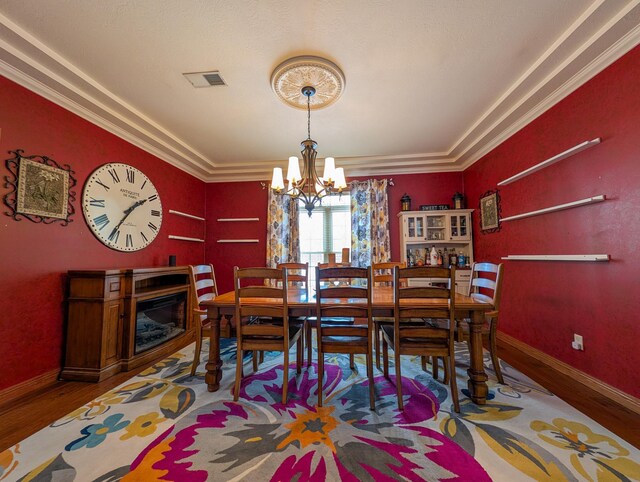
[477, 382]
[214, 364]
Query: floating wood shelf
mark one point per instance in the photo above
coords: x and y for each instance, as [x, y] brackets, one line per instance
[557, 257]
[186, 215]
[552, 160]
[227, 220]
[184, 238]
[238, 240]
[559, 207]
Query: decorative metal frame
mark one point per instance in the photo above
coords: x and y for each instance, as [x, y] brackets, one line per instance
[490, 212]
[17, 189]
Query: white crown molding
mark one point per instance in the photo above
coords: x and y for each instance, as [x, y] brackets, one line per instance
[580, 53]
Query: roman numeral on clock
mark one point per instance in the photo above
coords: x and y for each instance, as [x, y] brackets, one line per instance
[153, 226]
[144, 237]
[142, 187]
[99, 203]
[152, 198]
[131, 176]
[155, 212]
[114, 175]
[115, 234]
[98, 181]
[101, 221]
[129, 241]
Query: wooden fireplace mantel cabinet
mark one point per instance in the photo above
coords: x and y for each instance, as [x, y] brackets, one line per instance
[101, 320]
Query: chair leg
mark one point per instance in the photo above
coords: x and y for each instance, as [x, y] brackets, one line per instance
[454, 383]
[254, 357]
[376, 341]
[396, 353]
[447, 371]
[423, 359]
[320, 375]
[261, 356]
[352, 361]
[309, 337]
[493, 350]
[196, 355]
[236, 388]
[385, 357]
[285, 374]
[434, 367]
[299, 353]
[372, 395]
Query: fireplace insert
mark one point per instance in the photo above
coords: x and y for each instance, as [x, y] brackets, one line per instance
[159, 319]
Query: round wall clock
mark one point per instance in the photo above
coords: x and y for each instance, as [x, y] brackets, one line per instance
[122, 207]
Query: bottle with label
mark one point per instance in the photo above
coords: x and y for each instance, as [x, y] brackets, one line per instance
[462, 261]
[445, 257]
[453, 258]
[440, 262]
[433, 257]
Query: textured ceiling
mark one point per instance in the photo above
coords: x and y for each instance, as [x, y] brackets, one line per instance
[431, 85]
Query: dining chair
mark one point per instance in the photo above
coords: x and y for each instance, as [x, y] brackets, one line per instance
[382, 276]
[298, 277]
[335, 335]
[203, 288]
[486, 285]
[256, 289]
[310, 325]
[422, 339]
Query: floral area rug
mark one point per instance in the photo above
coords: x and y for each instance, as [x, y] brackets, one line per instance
[164, 425]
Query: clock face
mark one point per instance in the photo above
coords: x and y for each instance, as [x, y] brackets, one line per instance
[122, 207]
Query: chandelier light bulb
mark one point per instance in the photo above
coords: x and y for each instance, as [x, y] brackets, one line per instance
[329, 169]
[293, 172]
[277, 183]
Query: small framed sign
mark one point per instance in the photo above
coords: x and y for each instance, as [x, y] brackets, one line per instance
[434, 207]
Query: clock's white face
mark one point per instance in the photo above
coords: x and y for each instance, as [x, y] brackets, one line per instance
[122, 207]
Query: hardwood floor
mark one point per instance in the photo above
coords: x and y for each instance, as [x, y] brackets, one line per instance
[19, 421]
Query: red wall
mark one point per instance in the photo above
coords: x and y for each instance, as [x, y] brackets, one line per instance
[35, 257]
[249, 200]
[545, 303]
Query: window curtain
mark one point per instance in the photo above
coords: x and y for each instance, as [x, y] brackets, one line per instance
[283, 236]
[369, 222]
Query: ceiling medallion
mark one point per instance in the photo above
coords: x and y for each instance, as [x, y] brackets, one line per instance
[289, 78]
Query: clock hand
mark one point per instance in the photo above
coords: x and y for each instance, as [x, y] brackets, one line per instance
[127, 211]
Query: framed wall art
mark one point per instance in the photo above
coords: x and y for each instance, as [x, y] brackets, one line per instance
[40, 189]
[490, 212]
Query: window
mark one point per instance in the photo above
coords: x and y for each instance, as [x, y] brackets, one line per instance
[328, 230]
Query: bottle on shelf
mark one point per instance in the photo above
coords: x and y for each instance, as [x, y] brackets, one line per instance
[433, 256]
[440, 262]
[445, 257]
[453, 258]
[462, 260]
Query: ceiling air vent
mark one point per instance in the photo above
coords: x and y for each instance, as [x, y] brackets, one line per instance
[205, 79]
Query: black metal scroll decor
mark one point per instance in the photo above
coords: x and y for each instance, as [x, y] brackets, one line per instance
[490, 212]
[40, 189]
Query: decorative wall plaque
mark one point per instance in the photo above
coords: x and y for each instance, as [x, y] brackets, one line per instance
[40, 189]
[490, 212]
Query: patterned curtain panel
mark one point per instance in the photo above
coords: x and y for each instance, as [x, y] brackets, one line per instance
[283, 237]
[369, 222]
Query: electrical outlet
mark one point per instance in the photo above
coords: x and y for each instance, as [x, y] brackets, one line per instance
[577, 343]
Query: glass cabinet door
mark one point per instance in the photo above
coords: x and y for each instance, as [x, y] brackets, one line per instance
[436, 226]
[459, 227]
[415, 228]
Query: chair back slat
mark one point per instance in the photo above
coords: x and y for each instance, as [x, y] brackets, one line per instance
[423, 292]
[330, 299]
[265, 283]
[486, 282]
[298, 274]
[383, 272]
[203, 286]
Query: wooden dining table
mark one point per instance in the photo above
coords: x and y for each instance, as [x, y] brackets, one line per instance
[302, 304]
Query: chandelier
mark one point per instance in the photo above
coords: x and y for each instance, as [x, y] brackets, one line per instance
[307, 186]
